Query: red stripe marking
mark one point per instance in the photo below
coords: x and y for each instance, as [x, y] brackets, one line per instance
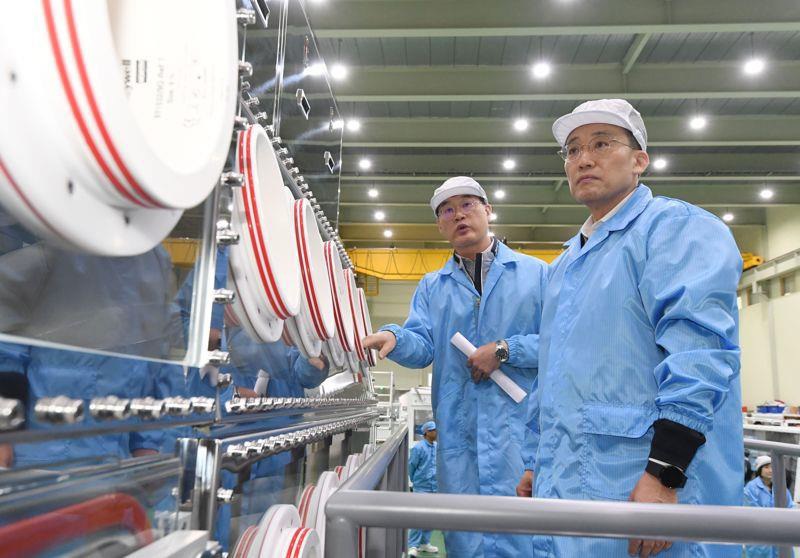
[276, 301]
[304, 502]
[349, 280]
[247, 196]
[250, 534]
[266, 531]
[67, 86]
[76, 50]
[303, 536]
[360, 542]
[337, 311]
[24, 199]
[305, 266]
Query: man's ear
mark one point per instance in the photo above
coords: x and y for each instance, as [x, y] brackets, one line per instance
[642, 162]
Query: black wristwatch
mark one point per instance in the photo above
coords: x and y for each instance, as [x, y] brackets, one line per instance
[670, 476]
[501, 352]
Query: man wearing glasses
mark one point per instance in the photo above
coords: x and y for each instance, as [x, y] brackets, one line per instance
[639, 396]
[493, 296]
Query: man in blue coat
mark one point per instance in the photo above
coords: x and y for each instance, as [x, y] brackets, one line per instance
[422, 472]
[639, 394]
[493, 297]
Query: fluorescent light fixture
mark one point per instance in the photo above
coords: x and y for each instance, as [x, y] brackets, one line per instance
[499, 194]
[373, 193]
[541, 70]
[727, 217]
[766, 194]
[754, 66]
[388, 233]
[698, 122]
[338, 124]
[354, 125]
[660, 163]
[339, 71]
[509, 164]
[379, 216]
[520, 124]
[365, 164]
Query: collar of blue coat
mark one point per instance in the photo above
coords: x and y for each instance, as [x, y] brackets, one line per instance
[630, 211]
[504, 256]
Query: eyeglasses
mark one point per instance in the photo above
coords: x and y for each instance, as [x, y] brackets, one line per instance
[449, 213]
[600, 146]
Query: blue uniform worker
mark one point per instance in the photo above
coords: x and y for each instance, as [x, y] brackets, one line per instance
[120, 305]
[493, 297]
[639, 355]
[422, 472]
[760, 493]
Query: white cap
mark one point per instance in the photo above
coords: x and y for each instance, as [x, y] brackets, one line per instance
[457, 186]
[762, 460]
[618, 112]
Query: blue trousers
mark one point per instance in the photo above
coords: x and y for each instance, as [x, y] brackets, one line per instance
[416, 538]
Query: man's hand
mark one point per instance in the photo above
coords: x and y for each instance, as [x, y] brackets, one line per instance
[650, 490]
[483, 362]
[383, 341]
[525, 486]
[319, 362]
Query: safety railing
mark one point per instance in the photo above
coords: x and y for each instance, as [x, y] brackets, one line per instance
[356, 504]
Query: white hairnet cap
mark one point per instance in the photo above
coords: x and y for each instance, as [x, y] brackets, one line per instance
[762, 460]
[457, 186]
[618, 112]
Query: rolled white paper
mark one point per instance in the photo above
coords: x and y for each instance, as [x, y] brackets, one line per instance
[506, 384]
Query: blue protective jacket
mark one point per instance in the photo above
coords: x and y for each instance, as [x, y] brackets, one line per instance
[757, 494]
[480, 428]
[422, 466]
[639, 324]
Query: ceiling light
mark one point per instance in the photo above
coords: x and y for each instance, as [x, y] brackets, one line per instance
[500, 194]
[509, 164]
[754, 66]
[317, 69]
[338, 124]
[766, 194]
[727, 217]
[541, 70]
[364, 164]
[372, 192]
[388, 233]
[520, 124]
[660, 163]
[380, 216]
[354, 125]
[493, 216]
[698, 122]
[338, 71]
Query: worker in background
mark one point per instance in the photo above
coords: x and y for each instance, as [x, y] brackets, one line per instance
[493, 297]
[639, 392]
[760, 493]
[422, 472]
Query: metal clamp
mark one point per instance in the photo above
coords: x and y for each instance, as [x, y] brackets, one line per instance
[240, 123]
[232, 179]
[12, 413]
[177, 406]
[147, 408]
[226, 237]
[58, 410]
[245, 17]
[203, 404]
[110, 407]
[245, 69]
[223, 296]
[218, 358]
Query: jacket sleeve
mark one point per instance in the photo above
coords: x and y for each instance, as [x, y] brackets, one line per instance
[688, 289]
[414, 347]
[523, 350]
[532, 432]
[413, 463]
[305, 372]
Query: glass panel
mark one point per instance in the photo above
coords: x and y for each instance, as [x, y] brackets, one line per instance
[309, 137]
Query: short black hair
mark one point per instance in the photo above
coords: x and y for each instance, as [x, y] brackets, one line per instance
[632, 139]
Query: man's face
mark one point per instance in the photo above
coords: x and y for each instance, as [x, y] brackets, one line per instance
[431, 435]
[601, 177]
[463, 220]
[766, 472]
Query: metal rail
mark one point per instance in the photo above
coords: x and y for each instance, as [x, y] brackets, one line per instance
[355, 504]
